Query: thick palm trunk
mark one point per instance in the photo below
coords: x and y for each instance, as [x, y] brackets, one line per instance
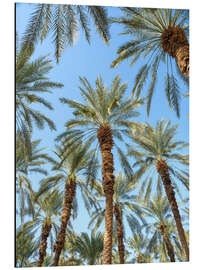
[168, 244]
[106, 143]
[46, 228]
[182, 59]
[175, 43]
[162, 169]
[66, 213]
[119, 231]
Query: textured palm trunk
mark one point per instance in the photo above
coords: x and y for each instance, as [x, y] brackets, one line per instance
[66, 213]
[182, 59]
[140, 259]
[105, 138]
[46, 228]
[175, 43]
[168, 244]
[162, 169]
[119, 232]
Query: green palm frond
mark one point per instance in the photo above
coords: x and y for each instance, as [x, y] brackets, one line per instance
[145, 27]
[63, 22]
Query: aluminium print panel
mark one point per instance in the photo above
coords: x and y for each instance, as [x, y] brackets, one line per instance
[102, 131]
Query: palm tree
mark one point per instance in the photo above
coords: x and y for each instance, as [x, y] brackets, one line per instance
[139, 244]
[101, 117]
[71, 164]
[25, 247]
[158, 148]
[158, 210]
[48, 206]
[24, 167]
[63, 22]
[159, 35]
[31, 79]
[89, 248]
[125, 207]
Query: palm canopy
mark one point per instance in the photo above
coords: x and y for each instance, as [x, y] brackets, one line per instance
[102, 108]
[89, 248]
[128, 206]
[76, 163]
[155, 36]
[157, 143]
[48, 206]
[24, 167]
[158, 214]
[63, 21]
[31, 80]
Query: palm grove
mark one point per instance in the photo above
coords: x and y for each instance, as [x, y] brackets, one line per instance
[132, 176]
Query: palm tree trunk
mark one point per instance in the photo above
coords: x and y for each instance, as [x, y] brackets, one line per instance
[119, 231]
[175, 43]
[168, 244]
[104, 135]
[182, 59]
[66, 213]
[162, 169]
[46, 228]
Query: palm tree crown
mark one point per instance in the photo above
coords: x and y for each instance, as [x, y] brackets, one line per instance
[159, 35]
[155, 144]
[64, 21]
[31, 79]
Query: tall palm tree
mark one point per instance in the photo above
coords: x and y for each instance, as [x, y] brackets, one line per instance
[158, 148]
[161, 224]
[47, 208]
[63, 21]
[89, 248]
[159, 35]
[31, 79]
[125, 207]
[71, 164]
[24, 166]
[102, 116]
[139, 244]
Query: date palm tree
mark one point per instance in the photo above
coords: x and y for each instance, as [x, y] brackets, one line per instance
[162, 226]
[24, 167]
[31, 80]
[102, 116]
[63, 21]
[89, 248]
[47, 208]
[70, 165]
[160, 151]
[125, 207]
[160, 36]
[139, 243]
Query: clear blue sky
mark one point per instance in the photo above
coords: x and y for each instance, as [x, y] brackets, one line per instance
[90, 61]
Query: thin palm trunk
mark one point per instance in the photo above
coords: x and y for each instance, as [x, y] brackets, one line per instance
[162, 169]
[46, 228]
[168, 244]
[106, 143]
[66, 213]
[119, 231]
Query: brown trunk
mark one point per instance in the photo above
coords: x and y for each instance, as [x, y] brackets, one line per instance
[182, 59]
[119, 231]
[162, 169]
[140, 259]
[66, 213]
[175, 43]
[104, 135]
[168, 244]
[46, 228]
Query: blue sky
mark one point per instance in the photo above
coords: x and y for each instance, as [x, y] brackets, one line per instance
[90, 61]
